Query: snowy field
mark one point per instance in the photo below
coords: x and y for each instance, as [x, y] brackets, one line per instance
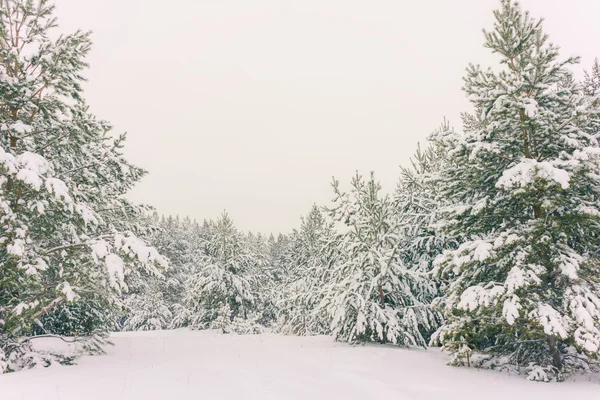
[173, 365]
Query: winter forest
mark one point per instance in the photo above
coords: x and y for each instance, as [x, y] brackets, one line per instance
[487, 250]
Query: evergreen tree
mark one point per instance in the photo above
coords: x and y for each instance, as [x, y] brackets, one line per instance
[312, 253]
[279, 252]
[591, 83]
[524, 183]
[147, 308]
[372, 295]
[221, 290]
[182, 241]
[149, 302]
[263, 276]
[67, 236]
[417, 201]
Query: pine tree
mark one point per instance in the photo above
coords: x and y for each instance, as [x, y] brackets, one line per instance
[278, 263]
[591, 83]
[311, 254]
[264, 277]
[151, 301]
[417, 201]
[221, 290]
[372, 295]
[147, 308]
[67, 234]
[181, 241]
[524, 183]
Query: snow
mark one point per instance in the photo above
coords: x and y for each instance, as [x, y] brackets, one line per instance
[590, 211]
[59, 188]
[518, 278]
[24, 306]
[538, 374]
[528, 170]
[475, 296]
[510, 310]
[29, 165]
[99, 249]
[482, 250]
[587, 153]
[20, 127]
[17, 248]
[136, 247]
[115, 267]
[585, 309]
[589, 339]
[67, 290]
[531, 108]
[54, 344]
[29, 178]
[570, 265]
[33, 162]
[7, 160]
[551, 320]
[87, 214]
[20, 308]
[184, 364]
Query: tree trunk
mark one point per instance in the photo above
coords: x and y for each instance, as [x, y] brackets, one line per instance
[381, 295]
[556, 357]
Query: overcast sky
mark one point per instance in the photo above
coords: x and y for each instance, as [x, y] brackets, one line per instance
[253, 105]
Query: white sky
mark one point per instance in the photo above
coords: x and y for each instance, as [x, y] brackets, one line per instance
[253, 105]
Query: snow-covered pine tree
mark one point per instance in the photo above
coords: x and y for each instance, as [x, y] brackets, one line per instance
[279, 252]
[591, 82]
[149, 302]
[184, 242]
[65, 236]
[525, 183]
[147, 308]
[192, 241]
[417, 201]
[220, 293]
[263, 277]
[372, 295]
[312, 252]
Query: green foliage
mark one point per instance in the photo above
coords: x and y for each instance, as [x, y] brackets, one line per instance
[524, 189]
[371, 294]
[68, 245]
[311, 253]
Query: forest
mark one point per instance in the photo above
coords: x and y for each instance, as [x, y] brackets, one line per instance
[488, 247]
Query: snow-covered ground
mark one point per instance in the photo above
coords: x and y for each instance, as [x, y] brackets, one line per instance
[174, 365]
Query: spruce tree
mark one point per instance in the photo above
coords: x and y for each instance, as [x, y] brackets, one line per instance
[67, 235]
[372, 295]
[312, 252]
[591, 83]
[524, 180]
[417, 201]
[220, 292]
[147, 308]
[263, 276]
